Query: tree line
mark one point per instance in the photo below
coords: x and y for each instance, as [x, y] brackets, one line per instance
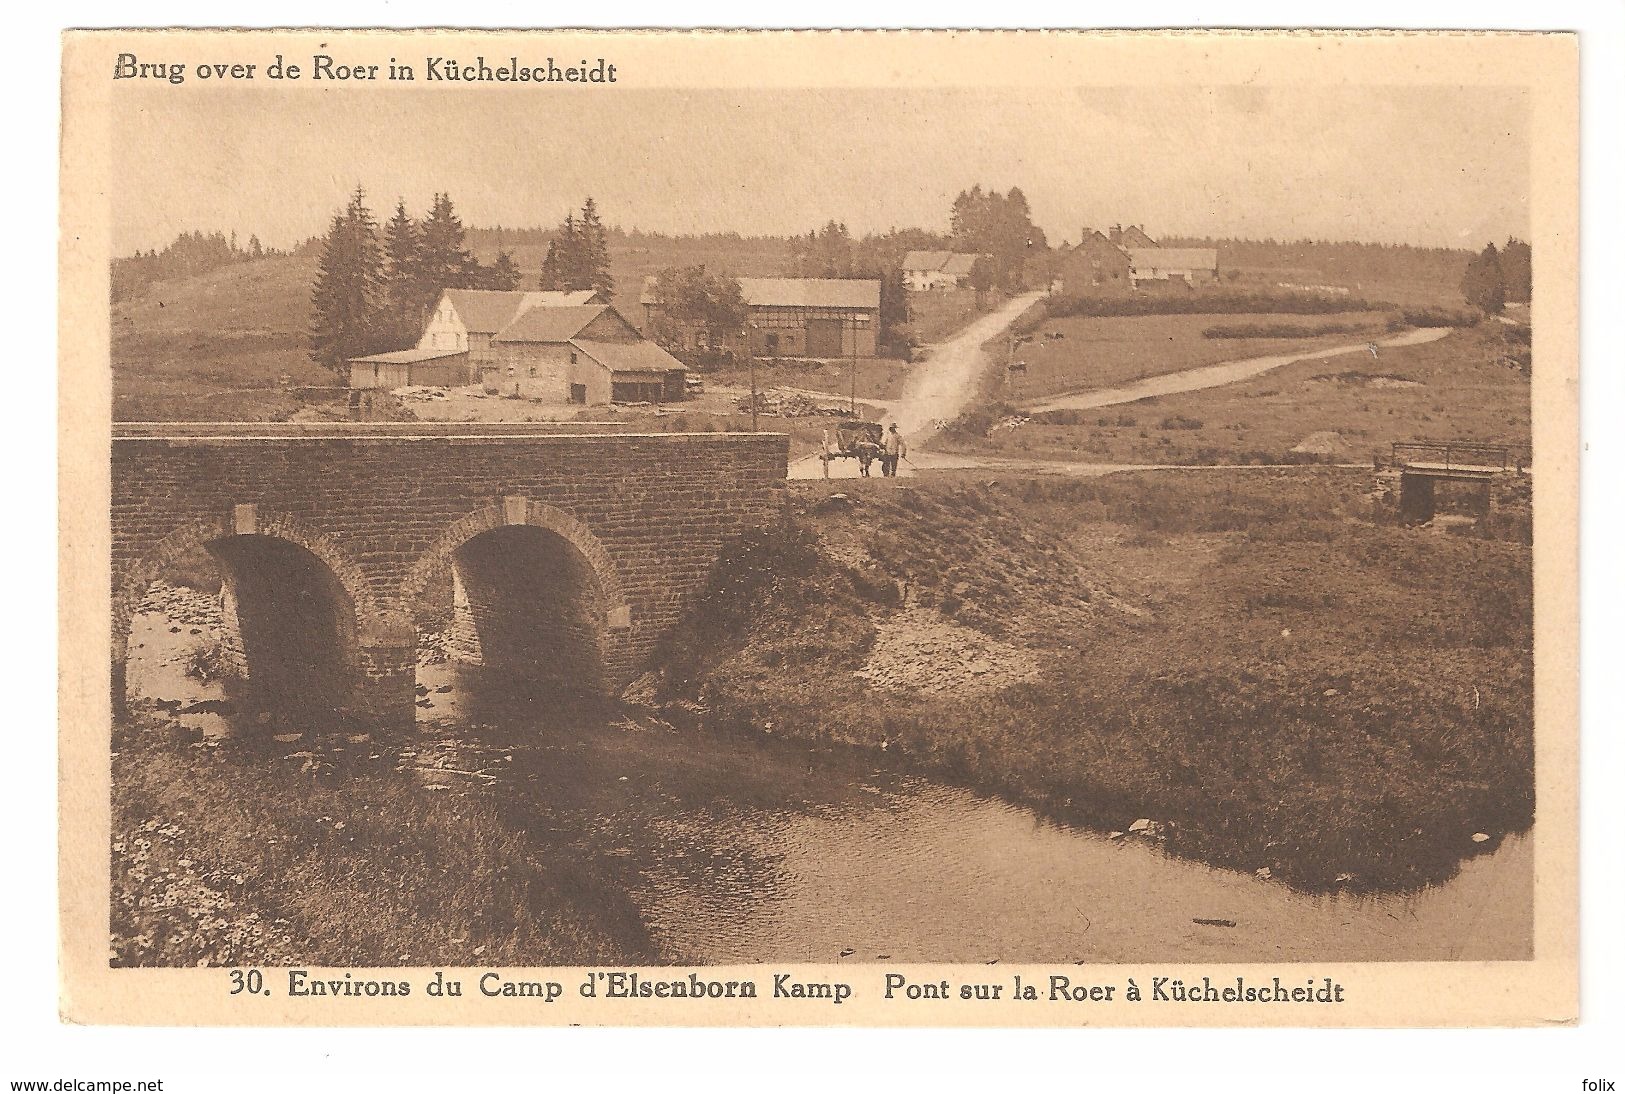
[189, 254]
[375, 287]
[1495, 278]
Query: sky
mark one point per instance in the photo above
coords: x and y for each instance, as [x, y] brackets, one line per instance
[1424, 165]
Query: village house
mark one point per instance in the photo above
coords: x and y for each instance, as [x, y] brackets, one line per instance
[582, 354]
[1095, 266]
[467, 319]
[792, 317]
[1127, 259]
[1130, 237]
[927, 270]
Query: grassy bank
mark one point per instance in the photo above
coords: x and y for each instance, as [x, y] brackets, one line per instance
[1243, 658]
[328, 852]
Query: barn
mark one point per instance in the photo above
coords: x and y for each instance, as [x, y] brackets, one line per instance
[794, 317]
[583, 354]
[1173, 265]
[409, 368]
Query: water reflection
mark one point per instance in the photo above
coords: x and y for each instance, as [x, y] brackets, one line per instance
[746, 850]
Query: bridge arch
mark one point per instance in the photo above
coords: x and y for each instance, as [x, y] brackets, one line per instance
[535, 594]
[139, 575]
[263, 559]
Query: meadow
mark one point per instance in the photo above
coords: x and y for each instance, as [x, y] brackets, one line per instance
[1470, 385]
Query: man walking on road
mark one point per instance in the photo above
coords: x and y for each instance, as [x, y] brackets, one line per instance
[896, 449]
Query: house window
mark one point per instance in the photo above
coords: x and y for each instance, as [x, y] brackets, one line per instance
[572, 357]
[533, 372]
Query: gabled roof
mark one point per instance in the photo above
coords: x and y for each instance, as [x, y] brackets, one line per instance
[550, 324]
[408, 356]
[926, 260]
[948, 262]
[629, 356]
[810, 292]
[1173, 258]
[485, 311]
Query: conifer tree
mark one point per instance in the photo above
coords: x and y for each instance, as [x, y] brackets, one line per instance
[1483, 284]
[348, 292]
[405, 295]
[594, 255]
[443, 258]
[578, 256]
[503, 274]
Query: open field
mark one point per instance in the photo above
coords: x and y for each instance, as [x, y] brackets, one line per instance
[1094, 352]
[1457, 388]
[1241, 657]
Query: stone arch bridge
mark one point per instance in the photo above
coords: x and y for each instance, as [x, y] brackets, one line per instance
[568, 552]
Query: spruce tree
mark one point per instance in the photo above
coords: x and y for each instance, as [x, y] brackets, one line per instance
[559, 268]
[593, 272]
[503, 274]
[1517, 271]
[444, 261]
[405, 295]
[348, 290]
[1483, 284]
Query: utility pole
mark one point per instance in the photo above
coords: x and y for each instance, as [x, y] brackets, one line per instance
[750, 351]
[852, 406]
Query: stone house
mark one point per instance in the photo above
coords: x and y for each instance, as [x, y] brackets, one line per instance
[1094, 267]
[467, 319]
[582, 354]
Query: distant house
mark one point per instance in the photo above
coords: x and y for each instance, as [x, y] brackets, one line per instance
[1191, 265]
[466, 319]
[927, 270]
[1119, 261]
[410, 368]
[793, 317]
[1095, 266]
[580, 354]
[1130, 237]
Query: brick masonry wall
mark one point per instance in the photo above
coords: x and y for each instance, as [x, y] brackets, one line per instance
[650, 513]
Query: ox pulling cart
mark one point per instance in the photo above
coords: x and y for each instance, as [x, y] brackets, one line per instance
[853, 439]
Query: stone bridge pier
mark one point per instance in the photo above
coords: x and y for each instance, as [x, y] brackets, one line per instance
[565, 555]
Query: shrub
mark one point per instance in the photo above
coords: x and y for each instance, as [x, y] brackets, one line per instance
[1286, 330]
[1179, 421]
[1224, 301]
[1442, 317]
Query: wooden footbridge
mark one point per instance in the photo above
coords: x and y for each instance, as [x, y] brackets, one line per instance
[1424, 464]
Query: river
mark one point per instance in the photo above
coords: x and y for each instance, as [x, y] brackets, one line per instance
[754, 849]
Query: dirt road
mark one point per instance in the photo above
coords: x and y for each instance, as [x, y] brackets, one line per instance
[946, 381]
[1226, 372]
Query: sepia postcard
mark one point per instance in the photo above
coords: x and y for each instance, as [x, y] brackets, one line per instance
[819, 528]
